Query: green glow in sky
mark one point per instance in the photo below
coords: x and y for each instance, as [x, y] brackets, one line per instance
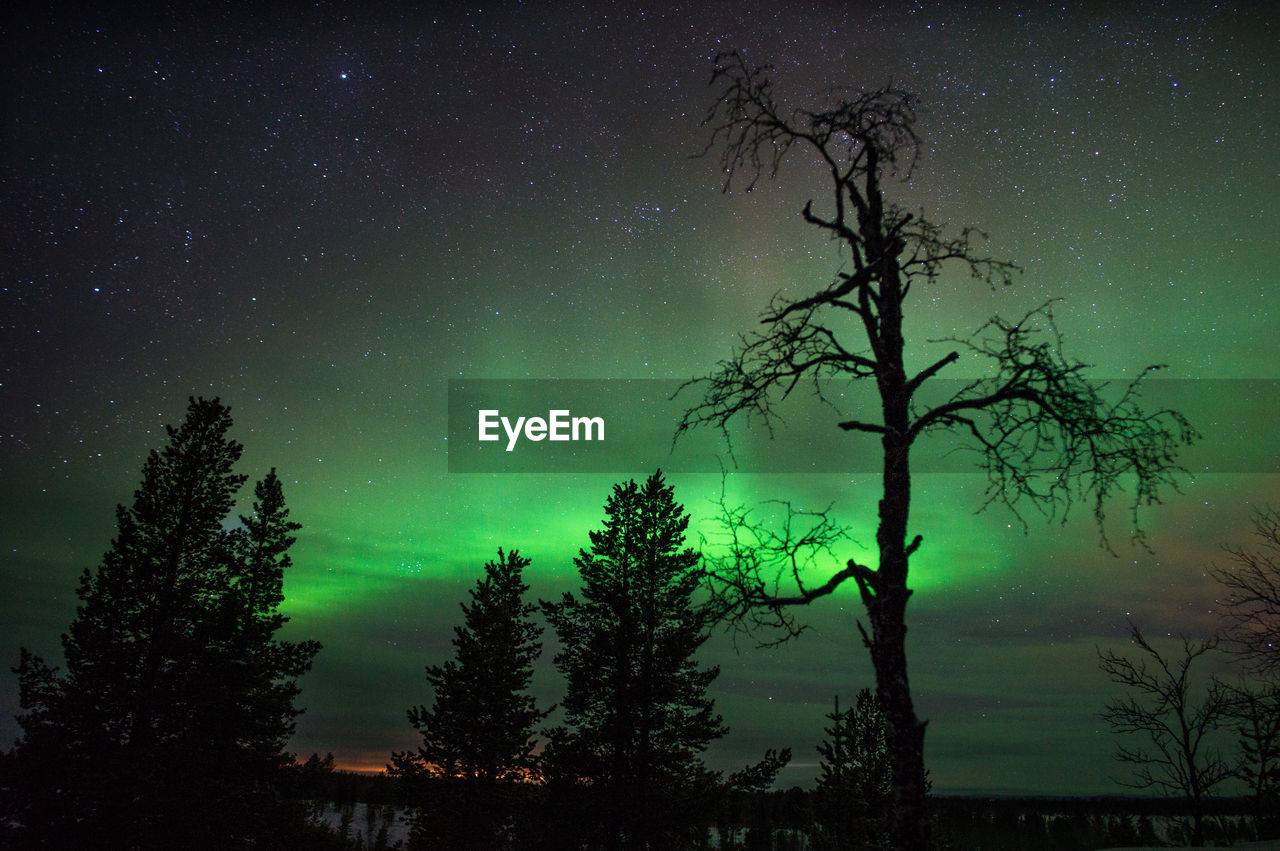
[325, 222]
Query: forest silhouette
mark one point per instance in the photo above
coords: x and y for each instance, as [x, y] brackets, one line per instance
[169, 725]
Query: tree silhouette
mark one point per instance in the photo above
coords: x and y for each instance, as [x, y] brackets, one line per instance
[1251, 579]
[1253, 709]
[176, 702]
[1161, 708]
[1045, 435]
[637, 716]
[852, 795]
[1251, 606]
[252, 676]
[477, 737]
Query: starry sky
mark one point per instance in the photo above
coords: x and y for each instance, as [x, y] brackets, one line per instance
[324, 215]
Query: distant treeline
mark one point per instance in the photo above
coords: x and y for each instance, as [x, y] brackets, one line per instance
[962, 821]
[167, 723]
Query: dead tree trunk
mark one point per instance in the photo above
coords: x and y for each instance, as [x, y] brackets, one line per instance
[1046, 435]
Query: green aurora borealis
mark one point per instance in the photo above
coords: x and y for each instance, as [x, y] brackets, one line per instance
[324, 219]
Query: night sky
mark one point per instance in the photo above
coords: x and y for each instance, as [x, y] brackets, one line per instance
[324, 216]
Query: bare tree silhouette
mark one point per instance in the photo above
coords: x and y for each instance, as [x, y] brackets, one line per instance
[1252, 602]
[1047, 437]
[1251, 606]
[1161, 707]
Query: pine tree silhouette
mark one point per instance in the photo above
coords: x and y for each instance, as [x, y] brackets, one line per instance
[176, 701]
[852, 794]
[637, 715]
[477, 737]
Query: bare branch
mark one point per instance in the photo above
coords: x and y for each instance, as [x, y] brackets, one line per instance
[859, 425]
[1162, 709]
[833, 295]
[930, 371]
[755, 568]
[929, 250]
[1254, 709]
[767, 368]
[745, 123]
[1049, 437]
[837, 227]
[1251, 579]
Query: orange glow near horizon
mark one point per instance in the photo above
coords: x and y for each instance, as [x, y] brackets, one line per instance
[361, 764]
[374, 764]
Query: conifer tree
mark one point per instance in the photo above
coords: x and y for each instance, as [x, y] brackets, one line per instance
[854, 777]
[252, 708]
[477, 737]
[174, 684]
[637, 715]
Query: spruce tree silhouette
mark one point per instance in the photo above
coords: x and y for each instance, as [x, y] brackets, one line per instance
[1046, 436]
[637, 715]
[169, 722]
[478, 736]
[852, 793]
